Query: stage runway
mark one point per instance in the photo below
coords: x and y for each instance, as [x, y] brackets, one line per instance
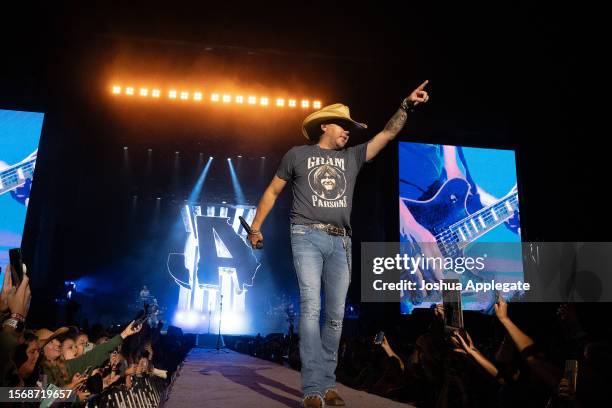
[229, 380]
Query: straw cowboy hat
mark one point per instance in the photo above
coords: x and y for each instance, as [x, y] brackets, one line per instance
[311, 127]
[46, 335]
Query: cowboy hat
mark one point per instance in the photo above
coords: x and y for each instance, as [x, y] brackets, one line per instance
[46, 335]
[331, 113]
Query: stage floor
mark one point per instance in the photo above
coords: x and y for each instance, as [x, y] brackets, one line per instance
[231, 380]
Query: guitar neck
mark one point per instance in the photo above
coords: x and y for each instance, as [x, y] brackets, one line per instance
[476, 225]
[16, 175]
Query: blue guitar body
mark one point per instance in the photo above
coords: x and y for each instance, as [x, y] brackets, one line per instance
[456, 218]
[445, 208]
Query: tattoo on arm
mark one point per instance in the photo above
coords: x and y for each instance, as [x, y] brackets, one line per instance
[396, 123]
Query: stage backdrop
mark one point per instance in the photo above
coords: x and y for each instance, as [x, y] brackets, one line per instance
[19, 137]
[457, 198]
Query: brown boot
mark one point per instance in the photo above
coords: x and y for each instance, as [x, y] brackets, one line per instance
[332, 399]
[313, 401]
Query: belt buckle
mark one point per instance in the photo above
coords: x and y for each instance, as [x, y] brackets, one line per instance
[335, 230]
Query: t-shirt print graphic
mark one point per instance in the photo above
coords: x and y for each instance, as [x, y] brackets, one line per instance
[328, 183]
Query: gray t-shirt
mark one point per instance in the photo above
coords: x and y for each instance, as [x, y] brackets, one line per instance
[322, 182]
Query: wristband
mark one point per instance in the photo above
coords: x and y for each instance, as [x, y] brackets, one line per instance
[407, 105]
[10, 323]
[18, 317]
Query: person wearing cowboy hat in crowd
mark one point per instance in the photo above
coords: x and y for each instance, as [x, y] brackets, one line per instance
[322, 175]
[67, 373]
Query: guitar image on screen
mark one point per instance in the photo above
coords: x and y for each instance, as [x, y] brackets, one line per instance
[445, 215]
[17, 178]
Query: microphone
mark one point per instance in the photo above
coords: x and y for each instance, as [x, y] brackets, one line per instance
[248, 229]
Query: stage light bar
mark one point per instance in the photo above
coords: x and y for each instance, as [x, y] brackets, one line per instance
[225, 98]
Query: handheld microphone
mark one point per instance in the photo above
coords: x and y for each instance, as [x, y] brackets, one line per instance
[248, 229]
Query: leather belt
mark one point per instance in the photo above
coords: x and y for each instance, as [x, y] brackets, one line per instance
[331, 229]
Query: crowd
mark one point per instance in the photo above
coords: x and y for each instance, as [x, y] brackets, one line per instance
[492, 363]
[89, 363]
[441, 367]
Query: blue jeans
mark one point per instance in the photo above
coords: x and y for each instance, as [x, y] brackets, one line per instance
[318, 257]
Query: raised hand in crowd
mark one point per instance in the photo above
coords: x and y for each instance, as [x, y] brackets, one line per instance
[387, 348]
[15, 299]
[131, 329]
[76, 381]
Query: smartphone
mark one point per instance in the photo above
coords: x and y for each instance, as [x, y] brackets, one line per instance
[453, 311]
[140, 320]
[87, 371]
[16, 266]
[571, 374]
[379, 337]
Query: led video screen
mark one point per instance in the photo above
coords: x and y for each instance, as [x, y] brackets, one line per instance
[457, 202]
[19, 137]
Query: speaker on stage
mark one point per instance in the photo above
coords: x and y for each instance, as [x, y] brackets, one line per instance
[209, 341]
[174, 331]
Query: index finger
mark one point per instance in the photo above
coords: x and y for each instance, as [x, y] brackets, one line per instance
[8, 280]
[23, 285]
[422, 86]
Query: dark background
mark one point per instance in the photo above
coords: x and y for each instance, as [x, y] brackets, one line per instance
[513, 76]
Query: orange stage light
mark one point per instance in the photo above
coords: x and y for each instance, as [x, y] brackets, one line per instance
[316, 104]
[144, 92]
[305, 103]
[155, 93]
[292, 103]
[239, 99]
[280, 102]
[129, 91]
[184, 95]
[116, 89]
[214, 97]
[172, 94]
[263, 101]
[227, 98]
[252, 100]
[197, 96]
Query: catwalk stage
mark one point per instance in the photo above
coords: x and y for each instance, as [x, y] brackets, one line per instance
[231, 380]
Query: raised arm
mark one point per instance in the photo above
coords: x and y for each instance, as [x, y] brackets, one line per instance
[263, 208]
[397, 121]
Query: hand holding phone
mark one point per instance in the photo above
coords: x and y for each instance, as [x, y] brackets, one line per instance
[380, 336]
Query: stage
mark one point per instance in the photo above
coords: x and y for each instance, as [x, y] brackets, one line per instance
[236, 380]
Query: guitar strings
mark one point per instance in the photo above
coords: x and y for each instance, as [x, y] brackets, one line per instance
[452, 231]
[12, 172]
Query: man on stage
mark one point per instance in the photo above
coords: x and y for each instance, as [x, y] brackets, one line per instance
[322, 177]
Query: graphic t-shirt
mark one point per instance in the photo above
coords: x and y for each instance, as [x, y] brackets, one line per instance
[322, 182]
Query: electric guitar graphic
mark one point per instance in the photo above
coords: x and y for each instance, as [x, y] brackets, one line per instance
[15, 176]
[445, 215]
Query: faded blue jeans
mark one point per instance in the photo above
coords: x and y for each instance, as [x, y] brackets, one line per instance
[319, 257]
